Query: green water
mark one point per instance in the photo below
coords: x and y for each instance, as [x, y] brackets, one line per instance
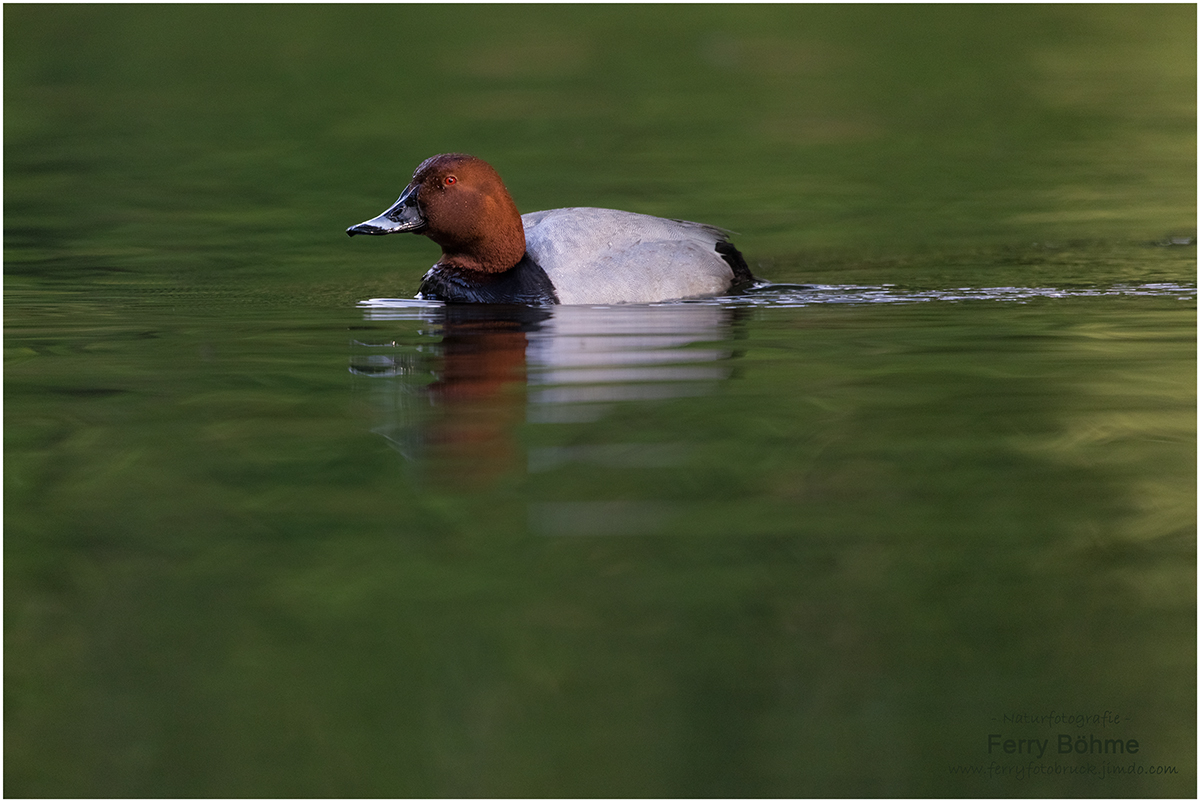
[267, 534]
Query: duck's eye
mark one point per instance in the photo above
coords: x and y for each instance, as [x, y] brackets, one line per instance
[448, 180]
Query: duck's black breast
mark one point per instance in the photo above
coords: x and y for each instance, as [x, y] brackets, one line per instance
[525, 283]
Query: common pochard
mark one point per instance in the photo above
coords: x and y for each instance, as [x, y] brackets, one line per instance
[493, 254]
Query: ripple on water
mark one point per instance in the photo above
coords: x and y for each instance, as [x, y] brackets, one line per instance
[798, 295]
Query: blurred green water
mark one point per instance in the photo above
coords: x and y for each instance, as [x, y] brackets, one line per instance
[830, 565]
[871, 129]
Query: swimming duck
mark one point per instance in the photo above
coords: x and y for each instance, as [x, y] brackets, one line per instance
[491, 253]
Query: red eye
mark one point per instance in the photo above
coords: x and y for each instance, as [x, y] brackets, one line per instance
[450, 180]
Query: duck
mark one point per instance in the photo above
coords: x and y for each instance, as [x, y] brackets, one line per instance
[491, 253]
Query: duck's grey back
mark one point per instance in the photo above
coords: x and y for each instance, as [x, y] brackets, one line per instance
[606, 256]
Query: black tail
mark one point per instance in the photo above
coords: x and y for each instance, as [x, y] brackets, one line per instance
[742, 277]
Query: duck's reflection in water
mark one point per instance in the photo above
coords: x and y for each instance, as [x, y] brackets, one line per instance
[456, 387]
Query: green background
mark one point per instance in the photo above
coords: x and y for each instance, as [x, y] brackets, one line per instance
[887, 528]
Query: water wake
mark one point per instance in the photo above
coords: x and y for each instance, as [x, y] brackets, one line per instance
[798, 295]
[792, 295]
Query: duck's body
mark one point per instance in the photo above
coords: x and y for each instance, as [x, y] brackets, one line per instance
[492, 254]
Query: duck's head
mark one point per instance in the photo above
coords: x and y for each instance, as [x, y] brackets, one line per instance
[459, 202]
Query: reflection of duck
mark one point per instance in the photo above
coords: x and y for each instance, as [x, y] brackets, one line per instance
[491, 254]
[458, 427]
[586, 358]
[578, 362]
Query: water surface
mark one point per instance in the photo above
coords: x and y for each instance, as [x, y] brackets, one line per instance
[275, 529]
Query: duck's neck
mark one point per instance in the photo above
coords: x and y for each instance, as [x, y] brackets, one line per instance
[495, 249]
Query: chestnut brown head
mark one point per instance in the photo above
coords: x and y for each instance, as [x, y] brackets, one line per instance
[459, 202]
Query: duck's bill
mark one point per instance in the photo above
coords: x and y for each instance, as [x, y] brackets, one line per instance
[404, 215]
